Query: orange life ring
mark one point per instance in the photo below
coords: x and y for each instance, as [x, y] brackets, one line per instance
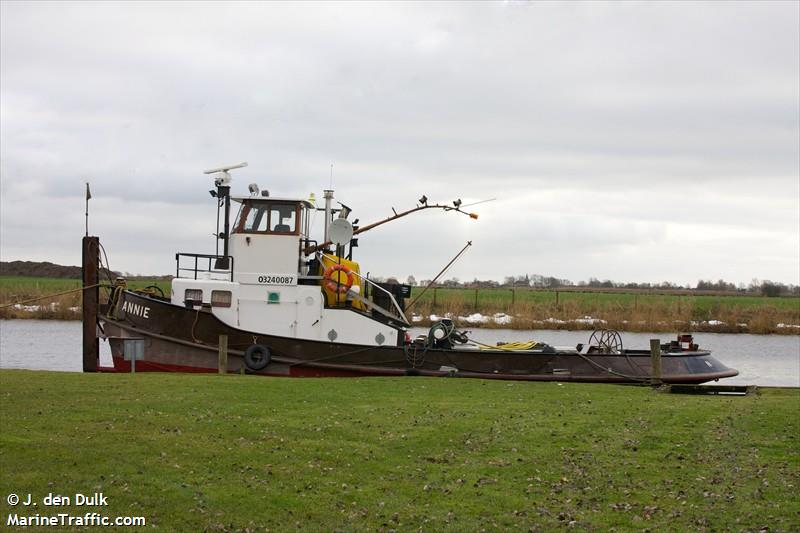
[336, 285]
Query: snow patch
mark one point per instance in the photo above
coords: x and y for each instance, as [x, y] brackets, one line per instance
[475, 318]
[502, 318]
[34, 308]
[589, 320]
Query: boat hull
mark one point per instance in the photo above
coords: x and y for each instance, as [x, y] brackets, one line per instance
[178, 339]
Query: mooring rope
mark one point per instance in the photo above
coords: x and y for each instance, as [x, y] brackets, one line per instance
[614, 372]
[52, 295]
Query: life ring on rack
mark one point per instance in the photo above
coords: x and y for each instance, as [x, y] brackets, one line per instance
[336, 285]
[257, 357]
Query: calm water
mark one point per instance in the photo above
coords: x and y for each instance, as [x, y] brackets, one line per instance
[766, 360]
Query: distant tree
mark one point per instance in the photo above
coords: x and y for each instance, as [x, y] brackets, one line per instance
[771, 289]
[410, 280]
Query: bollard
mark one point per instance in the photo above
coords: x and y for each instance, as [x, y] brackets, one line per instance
[223, 354]
[655, 361]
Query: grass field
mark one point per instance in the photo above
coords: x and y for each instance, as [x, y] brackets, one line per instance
[627, 311]
[623, 311]
[243, 453]
[19, 288]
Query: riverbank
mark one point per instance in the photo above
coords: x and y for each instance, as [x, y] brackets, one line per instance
[193, 452]
[522, 309]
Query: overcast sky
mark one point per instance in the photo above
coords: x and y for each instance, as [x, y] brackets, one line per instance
[626, 141]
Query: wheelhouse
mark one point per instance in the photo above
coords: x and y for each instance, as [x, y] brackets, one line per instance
[266, 216]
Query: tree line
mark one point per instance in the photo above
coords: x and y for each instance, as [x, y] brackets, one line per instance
[538, 281]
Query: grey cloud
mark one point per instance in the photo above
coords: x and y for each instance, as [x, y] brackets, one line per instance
[598, 107]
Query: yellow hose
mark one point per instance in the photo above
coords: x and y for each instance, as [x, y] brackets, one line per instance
[509, 346]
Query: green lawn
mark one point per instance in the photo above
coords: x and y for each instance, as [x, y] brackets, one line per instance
[29, 287]
[200, 452]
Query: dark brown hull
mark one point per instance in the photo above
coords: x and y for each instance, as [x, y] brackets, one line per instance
[186, 340]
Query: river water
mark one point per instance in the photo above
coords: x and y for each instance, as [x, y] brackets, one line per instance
[765, 360]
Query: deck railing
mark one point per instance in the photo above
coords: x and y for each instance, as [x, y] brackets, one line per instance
[395, 312]
[222, 265]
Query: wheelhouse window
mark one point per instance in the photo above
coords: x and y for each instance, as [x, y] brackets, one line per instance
[257, 219]
[283, 218]
[268, 217]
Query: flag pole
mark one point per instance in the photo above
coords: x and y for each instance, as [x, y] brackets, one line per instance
[88, 195]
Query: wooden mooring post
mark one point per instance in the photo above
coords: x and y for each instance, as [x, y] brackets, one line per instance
[223, 354]
[91, 302]
[655, 361]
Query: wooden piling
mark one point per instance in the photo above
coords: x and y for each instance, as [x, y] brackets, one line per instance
[91, 301]
[655, 361]
[223, 354]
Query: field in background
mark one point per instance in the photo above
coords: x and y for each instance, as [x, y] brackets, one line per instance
[529, 308]
[67, 307]
[239, 453]
[625, 311]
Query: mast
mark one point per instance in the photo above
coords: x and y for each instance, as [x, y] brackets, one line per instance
[223, 192]
[328, 195]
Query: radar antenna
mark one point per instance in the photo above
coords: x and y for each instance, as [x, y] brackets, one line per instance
[223, 195]
[224, 177]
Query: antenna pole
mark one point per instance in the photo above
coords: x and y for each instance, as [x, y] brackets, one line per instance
[225, 192]
[216, 234]
[464, 249]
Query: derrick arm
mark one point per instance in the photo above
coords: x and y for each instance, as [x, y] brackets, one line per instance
[321, 246]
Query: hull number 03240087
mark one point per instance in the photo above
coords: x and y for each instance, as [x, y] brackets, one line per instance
[271, 279]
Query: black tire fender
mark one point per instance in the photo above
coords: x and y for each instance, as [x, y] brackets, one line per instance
[257, 357]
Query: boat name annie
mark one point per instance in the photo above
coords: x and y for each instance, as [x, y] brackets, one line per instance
[135, 309]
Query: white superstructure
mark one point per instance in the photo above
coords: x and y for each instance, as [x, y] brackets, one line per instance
[273, 283]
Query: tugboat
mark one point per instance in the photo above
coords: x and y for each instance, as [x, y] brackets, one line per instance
[283, 304]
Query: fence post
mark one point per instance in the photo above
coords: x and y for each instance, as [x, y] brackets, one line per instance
[434, 299]
[476, 300]
[655, 361]
[223, 354]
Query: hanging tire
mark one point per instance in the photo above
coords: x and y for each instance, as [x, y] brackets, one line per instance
[257, 357]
